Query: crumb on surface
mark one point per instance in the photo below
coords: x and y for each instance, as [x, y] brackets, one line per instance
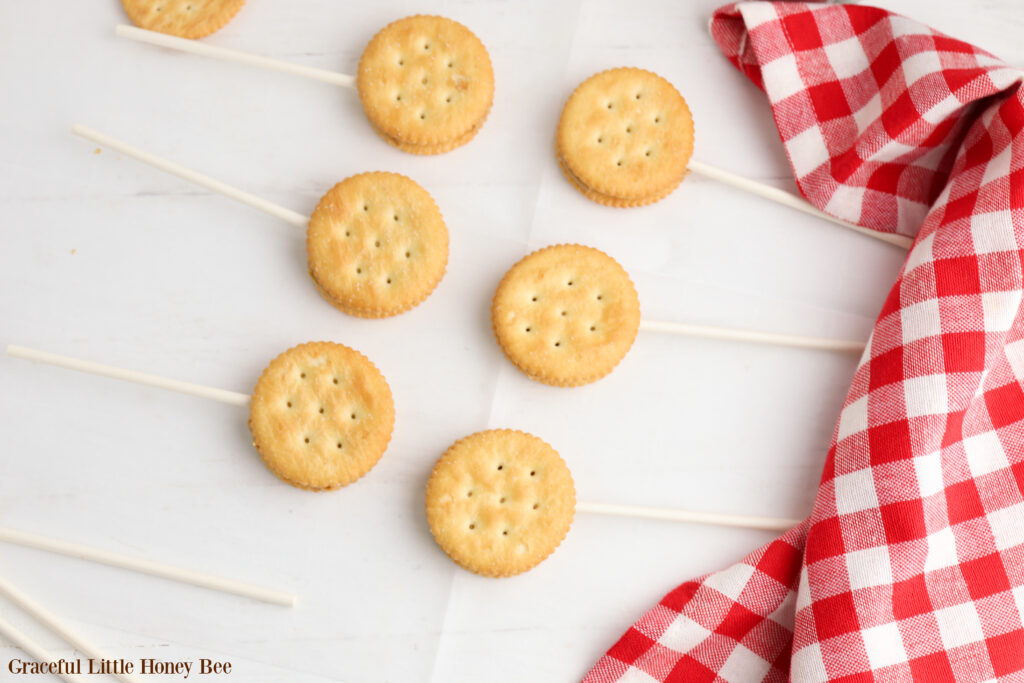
[96, 151]
[74, 251]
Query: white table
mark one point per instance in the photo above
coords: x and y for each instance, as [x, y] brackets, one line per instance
[108, 260]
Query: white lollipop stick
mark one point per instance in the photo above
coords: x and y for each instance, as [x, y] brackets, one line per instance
[673, 515]
[792, 201]
[232, 397]
[287, 215]
[194, 578]
[725, 333]
[50, 621]
[34, 649]
[207, 50]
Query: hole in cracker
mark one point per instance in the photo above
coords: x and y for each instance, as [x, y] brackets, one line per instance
[528, 329]
[306, 439]
[472, 526]
[600, 140]
[619, 162]
[609, 105]
[335, 380]
[502, 500]
[424, 81]
[505, 532]
[647, 153]
[422, 115]
[657, 119]
[593, 329]
[339, 444]
[533, 299]
[321, 410]
[426, 46]
[569, 283]
[289, 404]
[450, 64]
[348, 233]
[558, 343]
[501, 467]
[359, 271]
[408, 254]
[377, 244]
[629, 129]
[533, 473]
[396, 220]
[565, 313]
[448, 99]
[388, 281]
[366, 207]
[302, 375]
[469, 494]
[536, 505]
[599, 297]
[353, 416]
[401, 62]
[398, 98]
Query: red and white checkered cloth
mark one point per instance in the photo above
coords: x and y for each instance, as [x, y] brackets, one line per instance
[911, 565]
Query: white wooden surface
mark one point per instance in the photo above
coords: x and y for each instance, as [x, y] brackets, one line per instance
[106, 259]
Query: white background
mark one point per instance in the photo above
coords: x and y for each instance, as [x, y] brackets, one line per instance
[108, 260]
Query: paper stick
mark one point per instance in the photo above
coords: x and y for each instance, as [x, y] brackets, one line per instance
[194, 578]
[792, 201]
[205, 49]
[287, 215]
[50, 621]
[232, 397]
[34, 649]
[725, 333]
[673, 515]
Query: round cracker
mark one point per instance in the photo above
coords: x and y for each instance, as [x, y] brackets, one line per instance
[626, 134]
[183, 18]
[321, 415]
[499, 502]
[426, 82]
[566, 315]
[377, 245]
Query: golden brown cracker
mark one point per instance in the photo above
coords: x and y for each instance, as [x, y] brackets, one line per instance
[377, 245]
[625, 134]
[500, 501]
[566, 315]
[182, 18]
[321, 415]
[426, 83]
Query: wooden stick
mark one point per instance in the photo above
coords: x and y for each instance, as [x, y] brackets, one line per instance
[287, 215]
[728, 334]
[232, 397]
[34, 650]
[205, 49]
[792, 201]
[50, 621]
[673, 515]
[194, 578]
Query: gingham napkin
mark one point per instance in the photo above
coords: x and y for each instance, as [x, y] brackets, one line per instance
[911, 565]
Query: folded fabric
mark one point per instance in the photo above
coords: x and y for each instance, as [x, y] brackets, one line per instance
[911, 565]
